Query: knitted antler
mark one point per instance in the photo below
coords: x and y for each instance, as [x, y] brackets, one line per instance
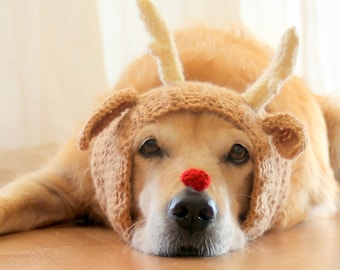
[270, 82]
[163, 48]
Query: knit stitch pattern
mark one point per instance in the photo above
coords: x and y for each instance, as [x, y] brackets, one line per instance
[111, 161]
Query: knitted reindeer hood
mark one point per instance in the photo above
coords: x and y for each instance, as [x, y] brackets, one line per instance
[277, 138]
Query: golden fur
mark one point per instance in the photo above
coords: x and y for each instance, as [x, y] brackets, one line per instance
[63, 190]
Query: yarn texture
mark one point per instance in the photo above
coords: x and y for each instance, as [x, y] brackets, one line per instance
[111, 161]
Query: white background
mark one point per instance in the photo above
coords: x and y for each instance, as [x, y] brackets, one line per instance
[57, 56]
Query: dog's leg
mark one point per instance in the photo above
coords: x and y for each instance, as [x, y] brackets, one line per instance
[331, 110]
[35, 200]
[60, 192]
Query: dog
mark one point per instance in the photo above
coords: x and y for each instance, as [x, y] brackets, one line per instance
[192, 174]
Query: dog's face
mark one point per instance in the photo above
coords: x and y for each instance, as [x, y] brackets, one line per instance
[145, 144]
[171, 219]
[138, 163]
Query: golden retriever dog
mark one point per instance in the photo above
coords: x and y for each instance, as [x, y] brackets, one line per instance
[205, 174]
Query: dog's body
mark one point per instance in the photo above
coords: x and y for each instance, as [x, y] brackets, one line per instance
[163, 149]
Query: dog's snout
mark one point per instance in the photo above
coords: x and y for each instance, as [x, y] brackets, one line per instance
[192, 210]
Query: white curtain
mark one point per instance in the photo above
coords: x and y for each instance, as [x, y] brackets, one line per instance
[318, 25]
[51, 69]
[56, 56]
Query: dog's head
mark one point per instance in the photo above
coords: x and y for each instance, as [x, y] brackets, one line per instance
[190, 167]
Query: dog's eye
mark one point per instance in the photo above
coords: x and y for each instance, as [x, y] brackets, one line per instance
[238, 155]
[150, 148]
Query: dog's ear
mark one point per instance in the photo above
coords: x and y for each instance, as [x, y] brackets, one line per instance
[288, 135]
[109, 110]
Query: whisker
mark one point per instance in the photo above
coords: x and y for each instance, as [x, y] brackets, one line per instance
[252, 246]
[134, 227]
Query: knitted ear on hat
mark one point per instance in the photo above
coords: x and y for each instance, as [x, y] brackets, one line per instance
[110, 160]
[112, 108]
[272, 172]
[287, 133]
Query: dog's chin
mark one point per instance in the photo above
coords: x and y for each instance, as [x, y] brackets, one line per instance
[199, 244]
[171, 241]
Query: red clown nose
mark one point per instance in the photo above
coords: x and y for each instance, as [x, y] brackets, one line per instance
[197, 179]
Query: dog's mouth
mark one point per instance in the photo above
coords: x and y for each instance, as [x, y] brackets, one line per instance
[182, 244]
[169, 240]
[186, 251]
[191, 226]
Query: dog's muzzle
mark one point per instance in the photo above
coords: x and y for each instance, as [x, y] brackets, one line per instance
[193, 213]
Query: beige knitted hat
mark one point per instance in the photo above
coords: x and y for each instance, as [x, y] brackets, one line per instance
[277, 138]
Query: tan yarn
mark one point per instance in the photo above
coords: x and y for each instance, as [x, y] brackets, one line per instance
[120, 100]
[277, 138]
[111, 152]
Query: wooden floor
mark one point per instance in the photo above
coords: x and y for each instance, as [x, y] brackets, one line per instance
[311, 245]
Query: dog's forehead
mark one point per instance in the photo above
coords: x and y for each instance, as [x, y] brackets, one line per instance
[194, 97]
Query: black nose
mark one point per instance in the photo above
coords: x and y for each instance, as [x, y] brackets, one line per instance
[192, 210]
